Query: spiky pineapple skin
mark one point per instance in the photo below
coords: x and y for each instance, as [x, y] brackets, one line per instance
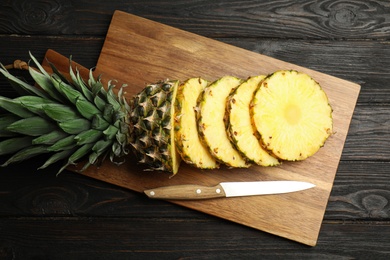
[292, 115]
[152, 127]
[188, 142]
[211, 125]
[239, 124]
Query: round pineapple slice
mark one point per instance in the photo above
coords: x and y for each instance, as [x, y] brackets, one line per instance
[188, 143]
[210, 113]
[292, 114]
[240, 129]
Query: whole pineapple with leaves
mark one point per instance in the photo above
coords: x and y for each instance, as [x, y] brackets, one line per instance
[76, 119]
[284, 116]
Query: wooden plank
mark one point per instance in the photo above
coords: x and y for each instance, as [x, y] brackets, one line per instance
[369, 124]
[360, 193]
[271, 19]
[362, 62]
[139, 238]
[137, 50]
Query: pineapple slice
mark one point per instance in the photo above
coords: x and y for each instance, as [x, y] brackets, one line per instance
[210, 113]
[239, 126]
[188, 144]
[292, 114]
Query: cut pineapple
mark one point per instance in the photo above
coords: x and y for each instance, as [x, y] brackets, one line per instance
[292, 115]
[76, 118]
[210, 113]
[188, 143]
[239, 126]
[151, 123]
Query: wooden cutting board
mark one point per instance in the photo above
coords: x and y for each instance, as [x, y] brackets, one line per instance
[139, 51]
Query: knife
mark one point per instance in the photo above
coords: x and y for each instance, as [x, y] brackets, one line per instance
[227, 189]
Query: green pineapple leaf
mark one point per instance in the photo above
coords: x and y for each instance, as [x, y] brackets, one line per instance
[60, 112]
[99, 123]
[34, 104]
[86, 108]
[5, 121]
[88, 136]
[12, 145]
[15, 107]
[26, 153]
[99, 103]
[23, 85]
[78, 154]
[39, 66]
[32, 126]
[75, 126]
[57, 72]
[56, 157]
[63, 144]
[49, 138]
[83, 87]
[46, 84]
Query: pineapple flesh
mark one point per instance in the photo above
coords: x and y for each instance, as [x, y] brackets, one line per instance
[239, 124]
[292, 115]
[189, 145]
[210, 114]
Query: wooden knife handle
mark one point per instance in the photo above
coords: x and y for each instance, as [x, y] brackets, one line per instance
[186, 192]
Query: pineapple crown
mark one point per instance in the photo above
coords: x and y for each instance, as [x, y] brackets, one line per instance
[71, 119]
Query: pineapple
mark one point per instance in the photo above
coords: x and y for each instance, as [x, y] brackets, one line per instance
[151, 125]
[292, 115]
[74, 119]
[210, 113]
[187, 139]
[239, 126]
[283, 116]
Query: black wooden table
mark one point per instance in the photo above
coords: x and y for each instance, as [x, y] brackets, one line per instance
[74, 217]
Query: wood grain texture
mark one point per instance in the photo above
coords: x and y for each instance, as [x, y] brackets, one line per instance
[85, 50]
[37, 208]
[138, 238]
[324, 19]
[369, 128]
[359, 192]
[142, 38]
[364, 63]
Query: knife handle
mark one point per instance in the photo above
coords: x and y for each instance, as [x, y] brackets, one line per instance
[186, 192]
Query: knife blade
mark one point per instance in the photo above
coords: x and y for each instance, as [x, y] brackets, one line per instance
[226, 189]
